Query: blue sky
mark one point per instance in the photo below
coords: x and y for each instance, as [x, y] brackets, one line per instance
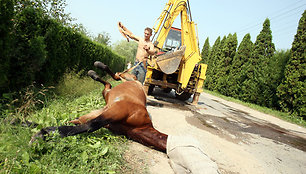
[214, 18]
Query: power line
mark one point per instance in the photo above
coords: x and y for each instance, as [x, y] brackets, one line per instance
[297, 12]
[281, 30]
[287, 12]
[253, 27]
[285, 8]
[272, 18]
[293, 4]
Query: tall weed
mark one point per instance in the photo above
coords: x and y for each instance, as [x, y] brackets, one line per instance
[18, 106]
[74, 85]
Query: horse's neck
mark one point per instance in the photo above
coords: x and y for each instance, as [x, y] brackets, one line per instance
[151, 137]
[145, 135]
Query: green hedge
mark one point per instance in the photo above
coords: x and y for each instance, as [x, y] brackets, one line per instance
[6, 25]
[42, 49]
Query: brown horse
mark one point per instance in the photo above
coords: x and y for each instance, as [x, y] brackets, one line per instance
[125, 113]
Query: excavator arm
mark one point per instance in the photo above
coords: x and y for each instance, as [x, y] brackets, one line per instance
[163, 24]
[188, 35]
[178, 69]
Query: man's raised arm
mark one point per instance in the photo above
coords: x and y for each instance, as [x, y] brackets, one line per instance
[127, 33]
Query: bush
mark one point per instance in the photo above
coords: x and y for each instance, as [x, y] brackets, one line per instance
[44, 50]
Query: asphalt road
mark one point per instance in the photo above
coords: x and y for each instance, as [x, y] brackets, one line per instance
[237, 138]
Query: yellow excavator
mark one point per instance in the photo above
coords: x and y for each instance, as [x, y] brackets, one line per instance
[176, 66]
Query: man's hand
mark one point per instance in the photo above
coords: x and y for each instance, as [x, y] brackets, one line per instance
[126, 33]
[146, 47]
[122, 31]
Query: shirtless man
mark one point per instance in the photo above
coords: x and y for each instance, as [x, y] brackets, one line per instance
[145, 48]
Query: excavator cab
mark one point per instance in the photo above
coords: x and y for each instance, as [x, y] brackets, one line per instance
[173, 40]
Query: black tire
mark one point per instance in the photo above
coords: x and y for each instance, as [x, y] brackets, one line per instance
[166, 90]
[184, 96]
[151, 87]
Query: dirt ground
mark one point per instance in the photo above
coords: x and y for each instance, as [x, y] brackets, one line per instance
[237, 138]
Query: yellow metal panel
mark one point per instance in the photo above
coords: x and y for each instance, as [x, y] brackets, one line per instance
[192, 56]
[203, 71]
[201, 77]
[149, 74]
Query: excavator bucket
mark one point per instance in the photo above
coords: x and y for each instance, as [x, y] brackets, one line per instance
[169, 62]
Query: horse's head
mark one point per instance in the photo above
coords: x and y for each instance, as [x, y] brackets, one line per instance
[125, 76]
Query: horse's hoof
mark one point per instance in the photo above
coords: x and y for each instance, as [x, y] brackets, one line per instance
[42, 134]
[100, 65]
[93, 74]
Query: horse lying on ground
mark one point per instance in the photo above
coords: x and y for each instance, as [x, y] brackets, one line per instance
[124, 113]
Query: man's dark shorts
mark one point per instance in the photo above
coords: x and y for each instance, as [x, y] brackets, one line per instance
[140, 72]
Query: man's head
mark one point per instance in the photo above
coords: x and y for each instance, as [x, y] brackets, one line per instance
[147, 33]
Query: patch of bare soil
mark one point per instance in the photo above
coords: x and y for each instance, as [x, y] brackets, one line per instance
[142, 159]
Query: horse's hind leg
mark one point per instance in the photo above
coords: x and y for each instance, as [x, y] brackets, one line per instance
[85, 118]
[104, 67]
[96, 77]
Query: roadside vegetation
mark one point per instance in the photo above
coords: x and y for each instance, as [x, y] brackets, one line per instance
[257, 73]
[98, 152]
[38, 46]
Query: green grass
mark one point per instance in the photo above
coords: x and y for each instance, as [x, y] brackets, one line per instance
[290, 118]
[98, 152]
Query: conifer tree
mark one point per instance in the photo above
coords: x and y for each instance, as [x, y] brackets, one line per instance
[218, 59]
[228, 53]
[276, 73]
[266, 74]
[256, 87]
[236, 76]
[264, 47]
[205, 51]
[292, 90]
[211, 64]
